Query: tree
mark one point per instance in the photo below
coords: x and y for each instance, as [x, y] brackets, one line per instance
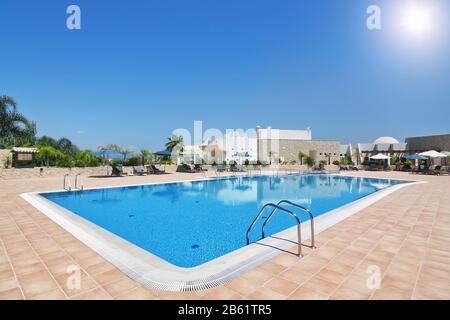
[47, 141]
[66, 146]
[86, 158]
[125, 152]
[145, 155]
[49, 155]
[15, 129]
[310, 161]
[175, 142]
[301, 156]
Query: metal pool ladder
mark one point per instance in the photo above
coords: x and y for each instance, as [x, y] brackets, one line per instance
[278, 207]
[67, 185]
[80, 181]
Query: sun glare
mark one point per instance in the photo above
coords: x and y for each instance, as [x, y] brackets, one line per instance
[418, 20]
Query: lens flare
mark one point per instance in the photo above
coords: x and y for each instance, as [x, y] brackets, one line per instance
[418, 20]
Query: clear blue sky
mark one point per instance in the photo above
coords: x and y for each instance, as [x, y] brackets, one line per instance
[139, 69]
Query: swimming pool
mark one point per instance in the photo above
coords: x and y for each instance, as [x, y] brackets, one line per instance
[191, 223]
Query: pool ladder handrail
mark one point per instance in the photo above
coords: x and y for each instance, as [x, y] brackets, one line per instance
[277, 207]
[81, 188]
[311, 216]
[66, 184]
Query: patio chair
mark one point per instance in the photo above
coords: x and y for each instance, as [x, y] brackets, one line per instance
[221, 168]
[199, 168]
[235, 168]
[428, 170]
[117, 171]
[139, 171]
[185, 168]
[444, 171]
[422, 169]
[439, 170]
[152, 169]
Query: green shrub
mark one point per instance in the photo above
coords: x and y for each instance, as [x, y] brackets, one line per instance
[310, 161]
[336, 163]
[167, 161]
[49, 156]
[87, 159]
[134, 161]
[301, 157]
[246, 162]
[65, 162]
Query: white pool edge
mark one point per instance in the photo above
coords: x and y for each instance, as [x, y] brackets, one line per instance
[154, 272]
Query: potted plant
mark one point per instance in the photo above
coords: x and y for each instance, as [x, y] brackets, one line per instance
[322, 164]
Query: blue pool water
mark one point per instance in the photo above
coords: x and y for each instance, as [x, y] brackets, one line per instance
[190, 223]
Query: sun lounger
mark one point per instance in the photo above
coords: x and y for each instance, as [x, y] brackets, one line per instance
[430, 170]
[220, 168]
[199, 168]
[139, 171]
[152, 169]
[444, 171]
[439, 170]
[117, 171]
[185, 168]
[420, 169]
[235, 168]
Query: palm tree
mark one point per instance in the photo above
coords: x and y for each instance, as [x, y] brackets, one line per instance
[66, 146]
[175, 142]
[15, 129]
[145, 155]
[301, 156]
[125, 152]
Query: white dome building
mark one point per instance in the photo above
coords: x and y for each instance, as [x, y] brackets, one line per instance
[385, 145]
[386, 140]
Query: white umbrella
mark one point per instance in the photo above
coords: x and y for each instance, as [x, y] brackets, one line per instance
[380, 156]
[433, 154]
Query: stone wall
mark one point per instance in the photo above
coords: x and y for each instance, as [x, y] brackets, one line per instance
[420, 144]
[289, 149]
[27, 173]
[4, 155]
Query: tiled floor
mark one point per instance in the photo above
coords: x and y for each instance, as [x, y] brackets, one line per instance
[405, 236]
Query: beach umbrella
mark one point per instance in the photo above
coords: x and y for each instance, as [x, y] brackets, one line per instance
[433, 154]
[415, 157]
[164, 153]
[381, 156]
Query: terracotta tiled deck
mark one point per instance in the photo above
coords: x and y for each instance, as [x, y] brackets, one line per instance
[406, 235]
